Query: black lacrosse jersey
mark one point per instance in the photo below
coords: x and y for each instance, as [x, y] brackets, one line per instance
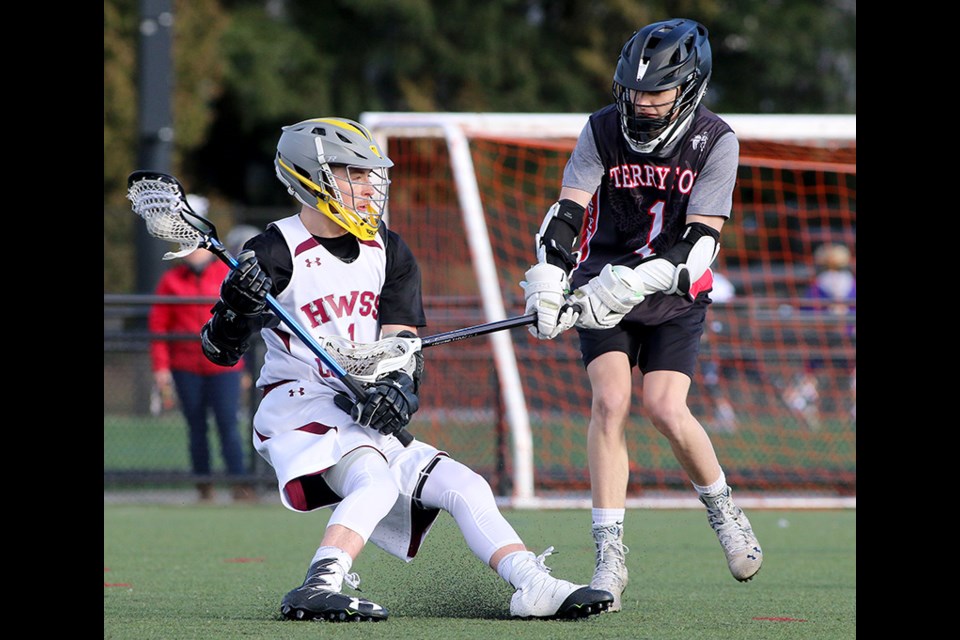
[640, 207]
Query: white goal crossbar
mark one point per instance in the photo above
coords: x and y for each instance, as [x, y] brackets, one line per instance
[568, 125]
[455, 129]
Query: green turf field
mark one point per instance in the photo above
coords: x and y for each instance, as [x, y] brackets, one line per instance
[210, 572]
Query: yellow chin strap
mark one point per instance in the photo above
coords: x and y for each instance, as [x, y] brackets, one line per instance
[350, 220]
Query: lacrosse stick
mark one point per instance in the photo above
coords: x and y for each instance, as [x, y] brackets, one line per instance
[160, 200]
[367, 361]
[478, 330]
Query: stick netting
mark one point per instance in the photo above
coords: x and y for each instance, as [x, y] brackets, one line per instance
[368, 361]
[161, 206]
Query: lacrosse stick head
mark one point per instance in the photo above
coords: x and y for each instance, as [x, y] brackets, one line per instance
[161, 201]
[368, 361]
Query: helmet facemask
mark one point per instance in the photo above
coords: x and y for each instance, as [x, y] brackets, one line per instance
[354, 197]
[643, 132]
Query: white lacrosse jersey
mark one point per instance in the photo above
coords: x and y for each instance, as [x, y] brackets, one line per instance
[327, 297]
[297, 428]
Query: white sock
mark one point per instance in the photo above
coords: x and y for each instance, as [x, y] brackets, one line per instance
[507, 563]
[342, 557]
[607, 517]
[717, 487]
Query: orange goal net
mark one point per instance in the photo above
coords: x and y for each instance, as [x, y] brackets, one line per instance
[776, 389]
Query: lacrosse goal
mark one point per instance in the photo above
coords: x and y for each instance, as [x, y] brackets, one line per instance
[777, 385]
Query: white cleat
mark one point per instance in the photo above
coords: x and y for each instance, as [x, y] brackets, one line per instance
[540, 595]
[733, 529]
[611, 572]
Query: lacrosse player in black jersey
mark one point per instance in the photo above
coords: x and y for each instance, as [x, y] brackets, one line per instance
[342, 274]
[636, 227]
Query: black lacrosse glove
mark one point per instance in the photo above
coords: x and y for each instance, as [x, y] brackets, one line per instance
[223, 338]
[389, 404]
[245, 289]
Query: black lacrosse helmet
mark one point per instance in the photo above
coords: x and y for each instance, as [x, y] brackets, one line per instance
[661, 56]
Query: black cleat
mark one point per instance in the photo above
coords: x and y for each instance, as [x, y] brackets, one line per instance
[319, 597]
[584, 602]
[304, 603]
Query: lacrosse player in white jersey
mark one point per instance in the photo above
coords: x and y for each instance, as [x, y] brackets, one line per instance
[341, 273]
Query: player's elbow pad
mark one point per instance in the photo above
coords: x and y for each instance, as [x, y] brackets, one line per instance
[678, 268]
[559, 235]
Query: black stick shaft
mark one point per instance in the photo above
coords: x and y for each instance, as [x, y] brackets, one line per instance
[478, 330]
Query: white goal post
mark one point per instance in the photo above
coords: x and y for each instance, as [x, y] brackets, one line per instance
[455, 129]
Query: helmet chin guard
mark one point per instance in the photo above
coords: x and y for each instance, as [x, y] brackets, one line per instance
[355, 198]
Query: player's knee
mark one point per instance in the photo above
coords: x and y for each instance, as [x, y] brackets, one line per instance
[477, 489]
[363, 471]
[453, 486]
[367, 488]
[610, 408]
[669, 418]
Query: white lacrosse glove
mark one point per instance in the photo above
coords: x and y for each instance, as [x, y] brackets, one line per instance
[545, 288]
[680, 267]
[607, 297]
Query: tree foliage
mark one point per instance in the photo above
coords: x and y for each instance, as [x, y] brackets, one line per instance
[244, 68]
[119, 94]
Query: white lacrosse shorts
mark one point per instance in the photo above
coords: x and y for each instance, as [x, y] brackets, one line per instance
[300, 432]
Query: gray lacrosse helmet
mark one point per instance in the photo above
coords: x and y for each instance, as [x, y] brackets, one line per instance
[306, 153]
[661, 56]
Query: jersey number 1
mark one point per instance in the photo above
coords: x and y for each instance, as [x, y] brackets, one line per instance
[656, 211]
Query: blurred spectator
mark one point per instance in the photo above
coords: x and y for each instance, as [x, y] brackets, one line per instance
[201, 386]
[833, 292]
[238, 236]
[834, 282]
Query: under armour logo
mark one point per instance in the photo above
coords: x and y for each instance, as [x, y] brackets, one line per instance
[312, 262]
[293, 392]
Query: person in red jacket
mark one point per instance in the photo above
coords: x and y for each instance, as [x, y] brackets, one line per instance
[201, 386]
